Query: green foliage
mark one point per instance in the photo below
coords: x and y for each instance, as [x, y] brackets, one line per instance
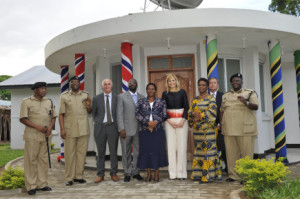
[12, 178]
[261, 174]
[291, 7]
[4, 93]
[8, 154]
[290, 189]
[52, 146]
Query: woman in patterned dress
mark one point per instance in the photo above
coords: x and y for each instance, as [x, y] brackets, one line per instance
[202, 117]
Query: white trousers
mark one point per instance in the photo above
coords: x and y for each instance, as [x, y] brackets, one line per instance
[177, 149]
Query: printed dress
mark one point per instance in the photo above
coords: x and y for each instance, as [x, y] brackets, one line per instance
[206, 164]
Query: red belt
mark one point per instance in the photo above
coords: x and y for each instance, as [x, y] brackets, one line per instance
[175, 114]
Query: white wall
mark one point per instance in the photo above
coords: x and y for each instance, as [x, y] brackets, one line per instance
[290, 99]
[17, 128]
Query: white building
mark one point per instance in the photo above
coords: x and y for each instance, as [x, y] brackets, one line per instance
[173, 42]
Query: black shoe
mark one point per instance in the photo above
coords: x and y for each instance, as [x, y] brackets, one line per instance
[127, 179]
[46, 189]
[138, 177]
[81, 181]
[69, 183]
[230, 180]
[31, 192]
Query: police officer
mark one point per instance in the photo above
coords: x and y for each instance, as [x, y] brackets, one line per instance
[38, 115]
[238, 123]
[74, 129]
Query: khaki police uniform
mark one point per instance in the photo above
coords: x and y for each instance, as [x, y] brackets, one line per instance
[73, 106]
[35, 153]
[238, 127]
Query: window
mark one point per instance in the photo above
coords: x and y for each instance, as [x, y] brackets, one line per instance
[116, 77]
[171, 62]
[227, 67]
[261, 84]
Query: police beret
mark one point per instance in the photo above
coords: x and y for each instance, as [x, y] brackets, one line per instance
[38, 85]
[74, 78]
[236, 75]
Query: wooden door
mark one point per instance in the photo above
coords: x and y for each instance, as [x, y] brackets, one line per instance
[187, 82]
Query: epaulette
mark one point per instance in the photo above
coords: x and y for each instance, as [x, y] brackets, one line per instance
[26, 98]
[65, 92]
[85, 92]
[250, 90]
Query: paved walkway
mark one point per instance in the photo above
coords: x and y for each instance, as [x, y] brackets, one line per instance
[134, 189]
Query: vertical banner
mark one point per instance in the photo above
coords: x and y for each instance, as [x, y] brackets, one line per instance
[297, 67]
[126, 50]
[64, 86]
[79, 68]
[277, 98]
[212, 56]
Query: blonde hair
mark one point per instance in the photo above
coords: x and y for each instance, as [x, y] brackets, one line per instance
[169, 76]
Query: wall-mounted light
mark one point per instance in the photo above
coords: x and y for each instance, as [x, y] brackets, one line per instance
[104, 53]
[168, 42]
[244, 43]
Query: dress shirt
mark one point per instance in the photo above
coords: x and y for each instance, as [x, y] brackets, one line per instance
[214, 94]
[109, 98]
[134, 96]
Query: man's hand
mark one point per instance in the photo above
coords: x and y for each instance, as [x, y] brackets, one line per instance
[48, 132]
[42, 129]
[123, 133]
[63, 134]
[242, 99]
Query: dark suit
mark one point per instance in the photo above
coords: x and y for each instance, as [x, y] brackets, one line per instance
[105, 133]
[220, 138]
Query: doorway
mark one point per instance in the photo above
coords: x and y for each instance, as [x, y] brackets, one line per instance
[183, 66]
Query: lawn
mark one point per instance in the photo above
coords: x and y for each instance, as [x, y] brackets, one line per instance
[7, 154]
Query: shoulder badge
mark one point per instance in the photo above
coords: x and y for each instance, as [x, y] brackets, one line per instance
[26, 98]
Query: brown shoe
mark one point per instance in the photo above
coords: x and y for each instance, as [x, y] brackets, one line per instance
[99, 179]
[115, 178]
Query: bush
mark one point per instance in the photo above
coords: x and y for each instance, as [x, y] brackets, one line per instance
[12, 178]
[261, 174]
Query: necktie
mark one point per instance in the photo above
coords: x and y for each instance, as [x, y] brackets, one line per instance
[108, 110]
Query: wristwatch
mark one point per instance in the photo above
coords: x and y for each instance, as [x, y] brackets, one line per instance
[247, 103]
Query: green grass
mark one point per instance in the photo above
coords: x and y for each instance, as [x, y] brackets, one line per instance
[7, 154]
[288, 190]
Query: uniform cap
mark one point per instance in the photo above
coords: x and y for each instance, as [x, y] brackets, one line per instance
[38, 85]
[236, 75]
[74, 78]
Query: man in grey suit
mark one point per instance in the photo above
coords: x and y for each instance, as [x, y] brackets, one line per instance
[106, 130]
[128, 128]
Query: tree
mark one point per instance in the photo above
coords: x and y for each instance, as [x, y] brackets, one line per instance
[4, 93]
[290, 7]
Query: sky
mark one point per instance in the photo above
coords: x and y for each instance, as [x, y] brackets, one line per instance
[26, 26]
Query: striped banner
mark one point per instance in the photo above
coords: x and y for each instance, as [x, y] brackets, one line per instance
[277, 98]
[212, 56]
[297, 66]
[79, 68]
[126, 65]
[64, 86]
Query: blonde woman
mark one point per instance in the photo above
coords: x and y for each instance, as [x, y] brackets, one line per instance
[176, 127]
